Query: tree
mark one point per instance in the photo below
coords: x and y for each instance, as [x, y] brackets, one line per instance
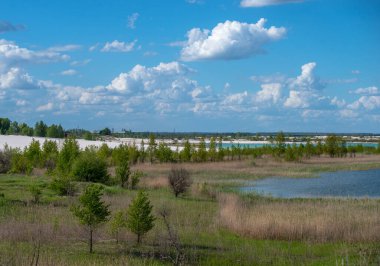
[212, 150]
[140, 219]
[280, 143]
[152, 146]
[105, 131]
[90, 168]
[123, 172]
[179, 180]
[332, 146]
[5, 123]
[202, 151]
[186, 152]
[33, 153]
[117, 222]
[40, 129]
[67, 156]
[91, 211]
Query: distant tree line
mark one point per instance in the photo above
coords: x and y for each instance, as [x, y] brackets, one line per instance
[40, 129]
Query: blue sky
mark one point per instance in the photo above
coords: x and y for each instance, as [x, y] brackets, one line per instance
[192, 65]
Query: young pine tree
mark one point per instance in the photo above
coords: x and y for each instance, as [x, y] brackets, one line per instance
[140, 219]
[92, 211]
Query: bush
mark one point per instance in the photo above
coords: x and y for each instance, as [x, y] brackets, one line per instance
[135, 179]
[179, 180]
[5, 160]
[63, 186]
[36, 192]
[20, 164]
[90, 168]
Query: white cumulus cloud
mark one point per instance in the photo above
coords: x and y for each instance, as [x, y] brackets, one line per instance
[229, 40]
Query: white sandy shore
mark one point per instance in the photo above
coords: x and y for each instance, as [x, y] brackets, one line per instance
[23, 141]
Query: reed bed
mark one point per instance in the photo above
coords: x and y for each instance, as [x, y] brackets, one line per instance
[311, 220]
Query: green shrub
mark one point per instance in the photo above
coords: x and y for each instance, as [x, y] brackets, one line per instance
[63, 186]
[88, 167]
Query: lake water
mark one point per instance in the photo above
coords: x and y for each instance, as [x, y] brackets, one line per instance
[334, 184]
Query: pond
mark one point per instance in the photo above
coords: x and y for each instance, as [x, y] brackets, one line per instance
[354, 184]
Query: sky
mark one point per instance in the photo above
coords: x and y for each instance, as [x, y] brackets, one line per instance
[192, 65]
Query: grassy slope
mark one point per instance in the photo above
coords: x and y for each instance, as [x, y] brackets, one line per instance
[196, 218]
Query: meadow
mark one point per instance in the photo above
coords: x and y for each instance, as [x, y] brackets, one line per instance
[212, 224]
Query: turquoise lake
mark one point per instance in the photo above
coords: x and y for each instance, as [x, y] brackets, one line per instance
[356, 184]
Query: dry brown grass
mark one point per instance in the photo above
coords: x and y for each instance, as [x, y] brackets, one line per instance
[321, 221]
[160, 181]
[263, 167]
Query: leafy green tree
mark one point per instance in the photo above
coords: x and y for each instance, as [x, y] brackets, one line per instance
[33, 153]
[36, 192]
[5, 159]
[49, 154]
[212, 150]
[104, 151]
[91, 211]
[152, 147]
[221, 152]
[67, 155]
[185, 154]
[331, 145]
[280, 144]
[55, 131]
[88, 136]
[88, 167]
[123, 172]
[14, 129]
[135, 179]
[5, 123]
[202, 152]
[142, 151]
[133, 153]
[105, 132]
[309, 149]
[140, 219]
[25, 130]
[164, 153]
[40, 129]
[117, 222]
[20, 164]
[63, 186]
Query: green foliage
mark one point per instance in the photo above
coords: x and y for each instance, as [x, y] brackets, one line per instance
[140, 219]
[20, 164]
[40, 129]
[55, 131]
[280, 144]
[5, 159]
[88, 136]
[105, 132]
[63, 186]
[135, 179]
[185, 154]
[36, 192]
[104, 151]
[67, 155]
[152, 146]
[91, 211]
[5, 123]
[117, 222]
[88, 167]
[33, 153]
[201, 152]
[164, 154]
[212, 150]
[123, 172]
[49, 155]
